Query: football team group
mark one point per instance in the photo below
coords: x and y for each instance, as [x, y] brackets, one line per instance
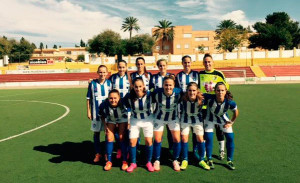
[125, 103]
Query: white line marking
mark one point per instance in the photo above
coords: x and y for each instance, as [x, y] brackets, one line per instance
[42, 126]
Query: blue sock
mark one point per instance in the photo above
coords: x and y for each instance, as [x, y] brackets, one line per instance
[185, 150]
[138, 144]
[195, 147]
[149, 150]
[117, 139]
[176, 150]
[229, 145]
[97, 143]
[133, 154]
[170, 138]
[124, 150]
[209, 144]
[201, 148]
[157, 149]
[109, 149]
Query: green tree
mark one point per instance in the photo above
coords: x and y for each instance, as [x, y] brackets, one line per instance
[230, 35]
[108, 42]
[80, 58]
[278, 30]
[41, 46]
[164, 31]
[5, 46]
[139, 44]
[129, 24]
[21, 51]
[82, 43]
[55, 46]
[225, 24]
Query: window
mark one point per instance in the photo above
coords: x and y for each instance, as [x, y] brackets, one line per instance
[186, 46]
[157, 47]
[178, 46]
[187, 35]
[166, 47]
[206, 48]
[201, 39]
[69, 52]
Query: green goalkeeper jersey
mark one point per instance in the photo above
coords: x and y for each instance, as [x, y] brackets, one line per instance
[208, 80]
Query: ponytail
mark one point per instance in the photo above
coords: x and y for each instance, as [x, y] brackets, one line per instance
[145, 69]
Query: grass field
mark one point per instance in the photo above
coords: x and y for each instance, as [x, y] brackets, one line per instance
[267, 140]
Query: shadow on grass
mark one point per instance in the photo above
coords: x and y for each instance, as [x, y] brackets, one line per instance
[84, 152]
[70, 151]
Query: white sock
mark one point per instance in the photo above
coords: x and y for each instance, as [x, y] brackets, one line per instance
[222, 145]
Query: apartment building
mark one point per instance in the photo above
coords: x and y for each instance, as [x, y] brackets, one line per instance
[187, 41]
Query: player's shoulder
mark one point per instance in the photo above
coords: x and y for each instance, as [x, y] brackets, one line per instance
[158, 90]
[177, 90]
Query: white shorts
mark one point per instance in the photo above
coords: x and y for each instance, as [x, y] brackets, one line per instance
[145, 124]
[197, 128]
[209, 127]
[116, 122]
[97, 126]
[173, 125]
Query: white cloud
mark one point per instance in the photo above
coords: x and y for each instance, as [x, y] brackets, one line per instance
[238, 17]
[189, 3]
[54, 22]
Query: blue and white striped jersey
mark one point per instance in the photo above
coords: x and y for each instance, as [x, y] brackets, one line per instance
[166, 106]
[216, 112]
[183, 79]
[157, 81]
[120, 83]
[190, 112]
[145, 79]
[97, 93]
[113, 114]
[141, 108]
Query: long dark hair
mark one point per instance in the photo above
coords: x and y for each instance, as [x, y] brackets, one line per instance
[228, 94]
[145, 69]
[100, 66]
[199, 97]
[126, 72]
[207, 55]
[133, 95]
[186, 56]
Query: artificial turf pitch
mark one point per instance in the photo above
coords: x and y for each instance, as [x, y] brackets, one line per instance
[266, 139]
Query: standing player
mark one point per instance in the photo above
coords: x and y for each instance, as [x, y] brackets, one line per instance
[167, 99]
[217, 106]
[113, 113]
[98, 90]
[142, 72]
[207, 81]
[191, 116]
[157, 82]
[139, 100]
[183, 78]
[122, 82]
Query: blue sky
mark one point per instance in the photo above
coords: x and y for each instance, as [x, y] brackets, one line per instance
[65, 22]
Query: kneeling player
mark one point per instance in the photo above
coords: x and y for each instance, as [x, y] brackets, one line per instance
[191, 116]
[217, 106]
[139, 100]
[113, 112]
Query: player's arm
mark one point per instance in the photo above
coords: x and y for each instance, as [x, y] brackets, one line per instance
[235, 111]
[89, 96]
[89, 113]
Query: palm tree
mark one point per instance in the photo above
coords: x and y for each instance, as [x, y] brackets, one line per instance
[129, 24]
[226, 24]
[164, 31]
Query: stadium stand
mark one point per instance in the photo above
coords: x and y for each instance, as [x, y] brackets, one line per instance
[271, 71]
